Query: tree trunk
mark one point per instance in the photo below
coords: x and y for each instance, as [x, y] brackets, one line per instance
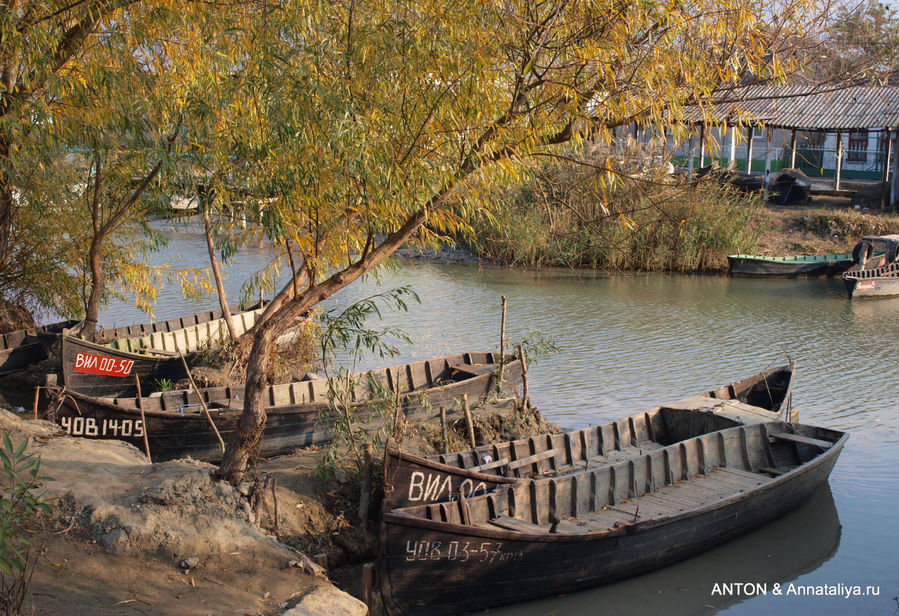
[219, 285]
[98, 282]
[247, 439]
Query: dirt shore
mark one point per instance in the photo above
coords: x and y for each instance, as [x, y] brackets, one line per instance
[125, 536]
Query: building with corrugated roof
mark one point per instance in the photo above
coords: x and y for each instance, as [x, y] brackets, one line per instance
[830, 134]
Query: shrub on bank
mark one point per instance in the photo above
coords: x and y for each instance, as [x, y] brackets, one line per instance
[610, 214]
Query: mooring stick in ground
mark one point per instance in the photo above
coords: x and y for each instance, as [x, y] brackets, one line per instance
[37, 394]
[365, 492]
[525, 403]
[397, 404]
[143, 419]
[502, 344]
[443, 429]
[368, 574]
[468, 420]
[275, 500]
[199, 395]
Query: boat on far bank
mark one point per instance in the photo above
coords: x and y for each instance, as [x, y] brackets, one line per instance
[797, 266]
[876, 270]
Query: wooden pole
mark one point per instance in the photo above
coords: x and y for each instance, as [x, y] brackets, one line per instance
[396, 402]
[502, 342]
[143, 419]
[769, 134]
[702, 145]
[793, 149]
[37, 394]
[443, 429]
[525, 402]
[199, 395]
[365, 492]
[468, 420]
[838, 167]
[368, 574]
[732, 156]
[749, 130]
[275, 500]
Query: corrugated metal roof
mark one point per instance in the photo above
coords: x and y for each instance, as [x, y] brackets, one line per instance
[802, 108]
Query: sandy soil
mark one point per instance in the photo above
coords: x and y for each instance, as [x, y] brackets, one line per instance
[125, 536]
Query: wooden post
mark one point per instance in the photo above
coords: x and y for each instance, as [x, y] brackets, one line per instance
[793, 149]
[502, 343]
[468, 420]
[732, 157]
[368, 574]
[37, 394]
[199, 395]
[525, 402]
[397, 405]
[749, 130]
[769, 134]
[365, 492]
[275, 500]
[143, 419]
[702, 145]
[443, 429]
[690, 156]
[894, 183]
[887, 154]
[838, 166]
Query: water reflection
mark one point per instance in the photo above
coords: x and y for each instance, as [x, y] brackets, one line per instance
[778, 552]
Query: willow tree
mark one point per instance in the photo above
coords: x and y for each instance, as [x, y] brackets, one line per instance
[360, 119]
[95, 99]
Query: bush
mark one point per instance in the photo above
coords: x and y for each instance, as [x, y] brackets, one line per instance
[18, 480]
[616, 213]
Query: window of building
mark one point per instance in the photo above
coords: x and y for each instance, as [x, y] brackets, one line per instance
[858, 146]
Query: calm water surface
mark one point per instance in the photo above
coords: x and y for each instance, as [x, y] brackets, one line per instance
[630, 342]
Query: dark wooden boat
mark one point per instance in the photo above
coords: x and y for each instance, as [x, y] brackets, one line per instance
[21, 348]
[100, 370]
[411, 479]
[298, 413]
[536, 538]
[876, 270]
[800, 266]
[151, 352]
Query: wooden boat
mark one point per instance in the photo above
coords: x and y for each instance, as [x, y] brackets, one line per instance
[411, 479]
[298, 413]
[876, 271]
[23, 347]
[542, 537]
[148, 351]
[800, 266]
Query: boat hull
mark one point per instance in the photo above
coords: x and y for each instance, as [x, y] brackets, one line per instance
[440, 568]
[298, 413]
[100, 370]
[21, 348]
[749, 266]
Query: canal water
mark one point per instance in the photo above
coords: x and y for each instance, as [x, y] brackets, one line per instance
[629, 342]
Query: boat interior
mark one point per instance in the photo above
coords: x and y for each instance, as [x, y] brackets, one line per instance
[622, 439]
[662, 482]
[383, 382]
